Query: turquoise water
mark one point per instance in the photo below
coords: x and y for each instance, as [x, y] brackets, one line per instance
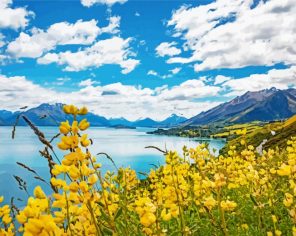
[125, 146]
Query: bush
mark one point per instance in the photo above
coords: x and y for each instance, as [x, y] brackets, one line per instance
[197, 193]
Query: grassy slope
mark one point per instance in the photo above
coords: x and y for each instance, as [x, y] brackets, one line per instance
[256, 134]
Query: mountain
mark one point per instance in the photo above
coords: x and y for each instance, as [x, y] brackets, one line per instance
[120, 121]
[265, 105]
[172, 120]
[50, 115]
[147, 122]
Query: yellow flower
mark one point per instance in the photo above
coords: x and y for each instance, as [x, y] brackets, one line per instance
[1, 199]
[38, 193]
[74, 187]
[84, 140]
[274, 219]
[284, 170]
[83, 124]
[21, 218]
[6, 219]
[74, 127]
[278, 233]
[92, 179]
[210, 202]
[288, 201]
[70, 109]
[148, 219]
[83, 186]
[228, 205]
[245, 226]
[65, 127]
[82, 111]
[166, 216]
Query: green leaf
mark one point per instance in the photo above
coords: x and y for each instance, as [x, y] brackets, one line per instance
[107, 231]
[118, 213]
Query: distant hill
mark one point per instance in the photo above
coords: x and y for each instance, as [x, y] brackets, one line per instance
[173, 120]
[50, 115]
[147, 122]
[120, 121]
[268, 135]
[265, 105]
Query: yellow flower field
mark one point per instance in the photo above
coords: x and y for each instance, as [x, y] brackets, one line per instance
[195, 193]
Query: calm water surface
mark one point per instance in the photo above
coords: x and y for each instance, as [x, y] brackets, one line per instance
[125, 146]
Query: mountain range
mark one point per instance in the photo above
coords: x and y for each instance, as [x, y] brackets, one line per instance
[50, 115]
[265, 105]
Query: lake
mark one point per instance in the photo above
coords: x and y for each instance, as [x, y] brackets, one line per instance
[125, 146]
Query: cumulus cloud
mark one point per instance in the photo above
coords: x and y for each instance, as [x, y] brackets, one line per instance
[167, 49]
[190, 89]
[109, 51]
[220, 79]
[13, 18]
[113, 100]
[279, 78]
[232, 34]
[176, 70]
[87, 82]
[89, 3]
[40, 41]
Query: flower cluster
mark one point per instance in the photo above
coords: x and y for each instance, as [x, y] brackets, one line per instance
[196, 193]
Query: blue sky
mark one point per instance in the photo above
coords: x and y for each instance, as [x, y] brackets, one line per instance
[135, 58]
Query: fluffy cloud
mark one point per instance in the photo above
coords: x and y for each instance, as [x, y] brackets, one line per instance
[63, 33]
[279, 78]
[89, 3]
[220, 79]
[232, 34]
[176, 70]
[167, 49]
[190, 89]
[13, 18]
[87, 82]
[113, 100]
[109, 51]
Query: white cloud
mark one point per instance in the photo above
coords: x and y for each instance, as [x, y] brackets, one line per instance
[87, 83]
[152, 72]
[220, 79]
[137, 14]
[167, 49]
[89, 3]
[176, 70]
[61, 81]
[279, 78]
[190, 89]
[109, 51]
[13, 18]
[63, 33]
[113, 27]
[230, 34]
[165, 76]
[113, 100]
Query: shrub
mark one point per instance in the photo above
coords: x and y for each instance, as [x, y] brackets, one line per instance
[197, 193]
